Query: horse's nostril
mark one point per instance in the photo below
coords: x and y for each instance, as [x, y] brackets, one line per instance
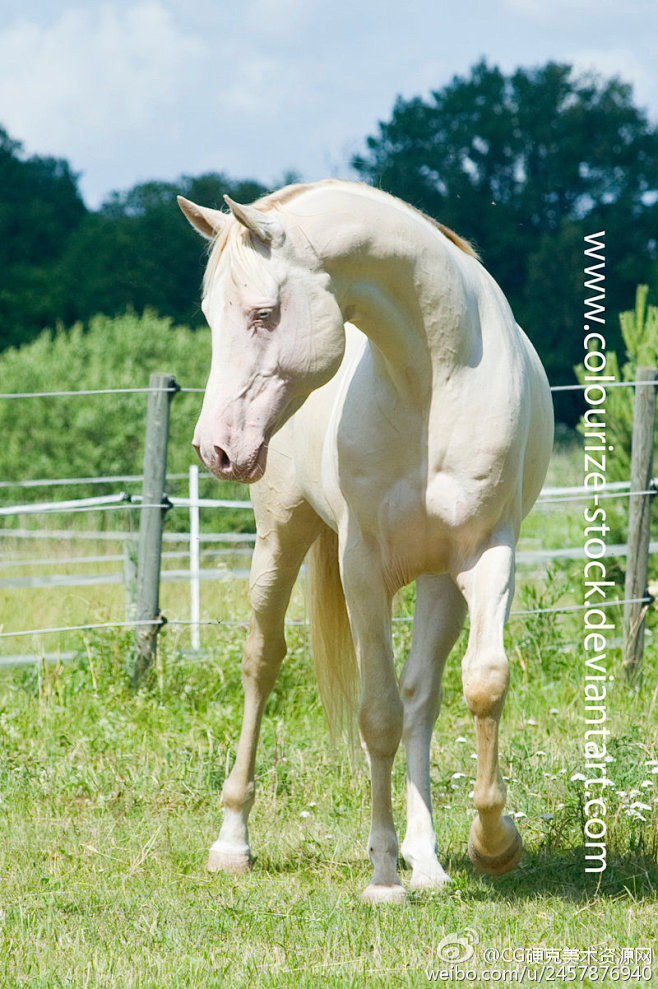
[223, 458]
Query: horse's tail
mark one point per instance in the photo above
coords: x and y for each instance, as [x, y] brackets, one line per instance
[331, 639]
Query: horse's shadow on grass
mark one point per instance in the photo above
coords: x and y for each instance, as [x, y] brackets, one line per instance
[632, 876]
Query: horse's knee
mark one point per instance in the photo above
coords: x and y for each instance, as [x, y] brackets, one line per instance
[380, 723]
[421, 698]
[485, 677]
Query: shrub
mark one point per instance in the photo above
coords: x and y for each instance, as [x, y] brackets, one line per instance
[95, 435]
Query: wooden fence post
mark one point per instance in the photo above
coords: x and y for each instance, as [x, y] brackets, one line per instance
[130, 578]
[639, 518]
[162, 389]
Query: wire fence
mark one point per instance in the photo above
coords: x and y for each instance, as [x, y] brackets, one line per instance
[128, 501]
[175, 389]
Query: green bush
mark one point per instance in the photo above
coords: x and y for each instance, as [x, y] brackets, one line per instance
[98, 435]
[639, 329]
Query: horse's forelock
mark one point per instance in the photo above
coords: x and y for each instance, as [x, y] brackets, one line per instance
[234, 245]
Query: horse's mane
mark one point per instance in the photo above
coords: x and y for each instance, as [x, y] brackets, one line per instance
[240, 240]
[289, 192]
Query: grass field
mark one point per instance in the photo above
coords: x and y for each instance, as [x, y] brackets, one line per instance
[109, 800]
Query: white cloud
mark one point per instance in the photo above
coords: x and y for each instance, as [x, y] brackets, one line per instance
[128, 90]
[92, 74]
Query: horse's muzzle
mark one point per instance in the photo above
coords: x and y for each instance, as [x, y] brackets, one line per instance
[245, 470]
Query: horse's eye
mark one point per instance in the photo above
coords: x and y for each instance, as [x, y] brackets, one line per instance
[263, 315]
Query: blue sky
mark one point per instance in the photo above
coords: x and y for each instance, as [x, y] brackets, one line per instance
[130, 91]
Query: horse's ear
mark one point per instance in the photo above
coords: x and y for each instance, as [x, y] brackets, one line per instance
[208, 222]
[265, 227]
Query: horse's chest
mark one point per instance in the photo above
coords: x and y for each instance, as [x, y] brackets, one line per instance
[413, 539]
[423, 527]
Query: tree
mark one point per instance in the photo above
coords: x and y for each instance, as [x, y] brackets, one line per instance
[524, 166]
[639, 331]
[40, 207]
[138, 251]
[60, 263]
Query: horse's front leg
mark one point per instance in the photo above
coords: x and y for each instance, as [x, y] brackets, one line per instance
[277, 558]
[438, 619]
[263, 654]
[380, 712]
[494, 843]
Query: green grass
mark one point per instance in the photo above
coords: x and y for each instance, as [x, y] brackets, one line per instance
[58, 607]
[109, 801]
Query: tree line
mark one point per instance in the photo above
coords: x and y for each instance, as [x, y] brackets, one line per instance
[523, 165]
[61, 263]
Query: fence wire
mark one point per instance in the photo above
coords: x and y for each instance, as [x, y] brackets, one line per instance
[100, 391]
[199, 391]
[105, 503]
[124, 499]
[95, 626]
[127, 501]
[296, 623]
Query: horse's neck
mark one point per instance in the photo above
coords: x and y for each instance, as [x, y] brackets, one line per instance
[399, 280]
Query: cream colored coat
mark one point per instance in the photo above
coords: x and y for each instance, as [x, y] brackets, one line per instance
[407, 449]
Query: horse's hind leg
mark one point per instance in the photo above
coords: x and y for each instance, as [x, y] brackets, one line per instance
[278, 555]
[438, 619]
[494, 843]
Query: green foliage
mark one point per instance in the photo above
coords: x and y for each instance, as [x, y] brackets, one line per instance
[60, 263]
[40, 207]
[640, 331]
[524, 165]
[138, 251]
[104, 434]
[639, 328]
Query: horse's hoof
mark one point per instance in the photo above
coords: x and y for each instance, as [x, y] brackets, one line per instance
[375, 894]
[427, 880]
[225, 858]
[497, 865]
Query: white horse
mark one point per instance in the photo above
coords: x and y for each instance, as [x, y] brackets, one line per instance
[409, 449]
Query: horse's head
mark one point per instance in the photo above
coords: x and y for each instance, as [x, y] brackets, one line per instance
[277, 333]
